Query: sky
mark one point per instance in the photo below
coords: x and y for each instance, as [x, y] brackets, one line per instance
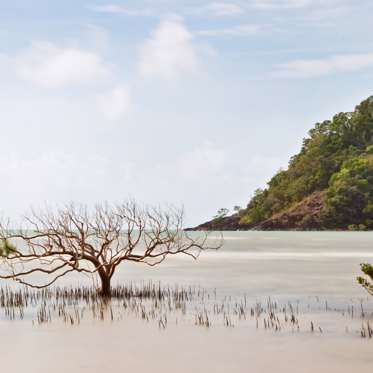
[194, 103]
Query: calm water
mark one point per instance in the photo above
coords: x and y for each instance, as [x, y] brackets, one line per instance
[307, 269]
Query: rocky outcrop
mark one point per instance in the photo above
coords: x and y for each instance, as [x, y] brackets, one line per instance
[305, 216]
[229, 223]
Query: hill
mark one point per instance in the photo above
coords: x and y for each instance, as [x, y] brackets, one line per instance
[328, 185]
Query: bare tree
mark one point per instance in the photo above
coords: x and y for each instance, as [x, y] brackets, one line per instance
[97, 241]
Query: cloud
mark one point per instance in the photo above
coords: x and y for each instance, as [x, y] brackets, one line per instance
[115, 103]
[220, 9]
[48, 65]
[321, 67]
[169, 52]
[241, 30]
[298, 4]
[287, 4]
[120, 9]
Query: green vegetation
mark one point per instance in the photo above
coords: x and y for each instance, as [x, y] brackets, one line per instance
[336, 157]
[368, 271]
[221, 214]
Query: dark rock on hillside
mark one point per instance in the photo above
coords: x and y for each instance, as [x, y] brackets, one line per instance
[305, 216]
[229, 223]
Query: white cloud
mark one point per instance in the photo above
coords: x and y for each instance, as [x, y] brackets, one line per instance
[120, 9]
[321, 67]
[169, 52]
[290, 4]
[115, 103]
[241, 30]
[224, 9]
[49, 65]
[298, 4]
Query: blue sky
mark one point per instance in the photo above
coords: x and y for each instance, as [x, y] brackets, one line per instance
[186, 102]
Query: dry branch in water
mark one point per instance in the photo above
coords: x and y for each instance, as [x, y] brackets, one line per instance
[97, 241]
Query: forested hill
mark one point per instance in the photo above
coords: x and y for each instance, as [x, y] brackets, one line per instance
[327, 185]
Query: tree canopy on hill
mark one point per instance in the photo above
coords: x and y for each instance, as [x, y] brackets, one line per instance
[336, 157]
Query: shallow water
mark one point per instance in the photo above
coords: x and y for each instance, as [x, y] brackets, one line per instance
[316, 271]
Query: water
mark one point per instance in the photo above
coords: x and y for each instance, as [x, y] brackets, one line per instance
[316, 271]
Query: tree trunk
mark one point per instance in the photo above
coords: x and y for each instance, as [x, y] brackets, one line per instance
[105, 286]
